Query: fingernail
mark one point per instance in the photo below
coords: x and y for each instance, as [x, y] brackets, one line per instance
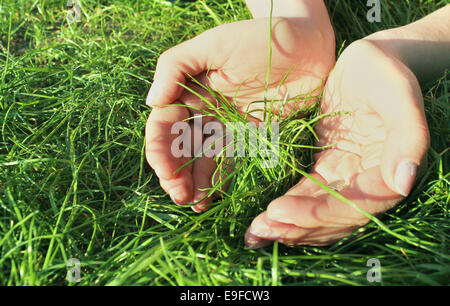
[257, 245]
[404, 177]
[177, 195]
[151, 94]
[253, 242]
[196, 209]
[173, 199]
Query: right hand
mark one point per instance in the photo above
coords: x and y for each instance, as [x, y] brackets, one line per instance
[236, 58]
[375, 142]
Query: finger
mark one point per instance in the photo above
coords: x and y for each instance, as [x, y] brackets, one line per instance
[288, 234]
[304, 220]
[159, 142]
[197, 105]
[202, 172]
[307, 187]
[264, 230]
[336, 165]
[322, 236]
[367, 190]
[211, 169]
[176, 64]
[255, 242]
[406, 143]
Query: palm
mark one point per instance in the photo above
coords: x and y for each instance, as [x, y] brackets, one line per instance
[376, 99]
[243, 72]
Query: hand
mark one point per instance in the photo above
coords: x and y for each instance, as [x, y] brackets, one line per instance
[380, 143]
[236, 57]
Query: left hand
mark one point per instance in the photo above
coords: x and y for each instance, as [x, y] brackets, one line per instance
[235, 56]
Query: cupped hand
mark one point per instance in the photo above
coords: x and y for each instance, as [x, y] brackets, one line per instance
[232, 59]
[380, 139]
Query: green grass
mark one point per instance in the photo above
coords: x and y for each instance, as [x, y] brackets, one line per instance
[74, 182]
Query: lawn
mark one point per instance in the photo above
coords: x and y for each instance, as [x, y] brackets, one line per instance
[74, 182]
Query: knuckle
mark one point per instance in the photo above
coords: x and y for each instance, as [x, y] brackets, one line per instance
[165, 57]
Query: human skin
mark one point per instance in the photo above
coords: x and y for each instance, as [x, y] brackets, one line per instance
[235, 55]
[375, 81]
[380, 144]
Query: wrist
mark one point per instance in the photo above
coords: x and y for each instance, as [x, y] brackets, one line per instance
[423, 46]
[311, 15]
[391, 42]
[288, 8]
[366, 59]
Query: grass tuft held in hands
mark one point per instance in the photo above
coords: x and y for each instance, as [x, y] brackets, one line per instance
[74, 182]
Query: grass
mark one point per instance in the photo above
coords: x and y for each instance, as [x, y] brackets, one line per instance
[74, 182]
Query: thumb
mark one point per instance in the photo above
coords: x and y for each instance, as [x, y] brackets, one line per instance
[176, 64]
[406, 144]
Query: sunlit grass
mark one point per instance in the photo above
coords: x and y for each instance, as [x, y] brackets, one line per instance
[74, 182]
